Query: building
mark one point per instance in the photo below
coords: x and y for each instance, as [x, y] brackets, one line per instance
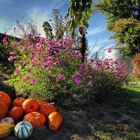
[114, 53]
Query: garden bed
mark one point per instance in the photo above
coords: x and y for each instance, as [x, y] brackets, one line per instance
[113, 120]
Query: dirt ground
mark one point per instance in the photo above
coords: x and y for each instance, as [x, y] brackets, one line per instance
[116, 120]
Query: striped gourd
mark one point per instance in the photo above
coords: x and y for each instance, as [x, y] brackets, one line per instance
[23, 130]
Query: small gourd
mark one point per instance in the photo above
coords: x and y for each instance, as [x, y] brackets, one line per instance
[7, 119]
[55, 120]
[23, 130]
[6, 129]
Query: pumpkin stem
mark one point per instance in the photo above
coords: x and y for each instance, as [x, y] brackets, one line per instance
[51, 104]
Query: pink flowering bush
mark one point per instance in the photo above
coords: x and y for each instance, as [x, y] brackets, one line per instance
[52, 70]
[6, 63]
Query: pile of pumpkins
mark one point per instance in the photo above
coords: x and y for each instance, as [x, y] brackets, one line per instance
[23, 115]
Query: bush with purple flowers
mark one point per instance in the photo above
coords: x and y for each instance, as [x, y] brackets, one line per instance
[52, 70]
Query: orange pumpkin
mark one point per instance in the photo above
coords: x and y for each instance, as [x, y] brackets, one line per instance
[5, 98]
[55, 120]
[47, 108]
[18, 101]
[3, 110]
[36, 119]
[16, 112]
[30, 105]
[42, 102]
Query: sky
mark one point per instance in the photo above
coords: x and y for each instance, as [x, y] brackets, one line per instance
[41, 10]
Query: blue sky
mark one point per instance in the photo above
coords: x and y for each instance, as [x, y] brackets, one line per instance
[40, 11]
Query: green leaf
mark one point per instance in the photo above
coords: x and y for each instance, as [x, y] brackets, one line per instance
[67, 15]
[88, 12]
[85, 23]
[68, 24]
[80, 18]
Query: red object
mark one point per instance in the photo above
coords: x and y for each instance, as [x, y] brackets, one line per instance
[30, 105]
[16, 112]
[55, 120]
[5, 98]
[36, 119]
[47, 108]
[18, 101]
[3, 110]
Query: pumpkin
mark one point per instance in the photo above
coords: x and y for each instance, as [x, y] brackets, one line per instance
[42, 102]
[55, 120]
[7, 119]
[16, 112]
[3, 110]
[6, 129]
[47, 108]
[30, 105]
[36, 119]
[19, 101]
[23, 130]
[5, 98]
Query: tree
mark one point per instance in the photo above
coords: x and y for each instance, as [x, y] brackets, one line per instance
[79, 12]
[58, 27]
[48, 30]
[123, 19]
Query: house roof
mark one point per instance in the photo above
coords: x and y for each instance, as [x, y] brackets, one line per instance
[114, 47]
[9, 36]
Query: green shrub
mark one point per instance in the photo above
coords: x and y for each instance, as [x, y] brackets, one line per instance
[52, 70]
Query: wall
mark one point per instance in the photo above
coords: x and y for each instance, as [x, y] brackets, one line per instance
[114, 53]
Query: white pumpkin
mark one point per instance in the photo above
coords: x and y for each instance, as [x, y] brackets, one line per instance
[7, 119]
[23, 130]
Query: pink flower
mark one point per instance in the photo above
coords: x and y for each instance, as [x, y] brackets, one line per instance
[61, 76]
[29, 70]
[38, 46]
[90, 83]
[34, 80]
[109, 51]
[74, 95]
[21, 48]
[17, 94]
[17, 71]
[76, 79]
[89, 76]
[57, 80]
[81, 72]
[12, 53]
[99, 69]
[5, 67]
[14, 29]
[27, 78]
[4, 40]
[11, 58]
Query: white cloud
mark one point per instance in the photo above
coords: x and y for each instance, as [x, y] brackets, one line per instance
[57, 3]
[100, 45]
[95, 30]
[6, 1]
[39, 16]
[2, 24]
[101, 42]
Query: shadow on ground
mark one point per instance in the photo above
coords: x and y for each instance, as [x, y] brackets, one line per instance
[116, 120]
